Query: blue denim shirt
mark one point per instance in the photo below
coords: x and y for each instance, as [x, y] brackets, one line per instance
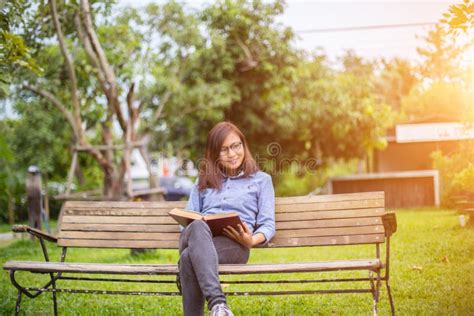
[253, 198]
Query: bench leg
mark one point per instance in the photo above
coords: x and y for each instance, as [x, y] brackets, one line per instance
[54, 295]
[389, 292]
[376, 292]
[18, 303]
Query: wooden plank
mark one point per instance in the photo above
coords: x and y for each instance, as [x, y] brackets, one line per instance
[119, 220]
[120, 228]
[328, 214]
[93, 243]
[327, 206]
[125, 204]
[117, 212]
[341, 222]
[182, 204]
[330, 198]
[172, 269]
[118, 235]
[47, 267]
[327, 241]
[336, 231]
[362, 264]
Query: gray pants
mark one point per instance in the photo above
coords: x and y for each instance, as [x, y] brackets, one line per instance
[200, 255]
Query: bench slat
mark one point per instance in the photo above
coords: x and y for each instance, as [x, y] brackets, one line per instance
[343, 222]
[328, 214]
[339, 222]
[165, 219]
[325, 206]
[124, 204]
[118, 212]
[118, 235]
[175, 236]
[327, 241]
[278, 200]
[172, 269]
[94, 243]
[285, 208]
[120, 220]
[317, 232]
[331, 198]
[120, 228]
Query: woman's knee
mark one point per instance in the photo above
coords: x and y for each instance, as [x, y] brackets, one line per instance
[184, 263]
[198, 225]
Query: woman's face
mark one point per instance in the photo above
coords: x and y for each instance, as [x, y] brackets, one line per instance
[232, 153]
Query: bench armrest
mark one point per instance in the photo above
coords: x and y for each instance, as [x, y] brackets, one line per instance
[389, 220]
[33, 231]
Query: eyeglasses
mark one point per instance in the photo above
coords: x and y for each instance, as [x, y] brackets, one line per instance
[235, 147]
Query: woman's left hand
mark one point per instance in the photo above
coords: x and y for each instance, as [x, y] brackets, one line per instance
[243, 235]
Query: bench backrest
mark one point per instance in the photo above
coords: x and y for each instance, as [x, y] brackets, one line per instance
[339, 219]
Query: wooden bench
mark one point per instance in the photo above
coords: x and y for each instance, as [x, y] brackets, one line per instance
[326, 220]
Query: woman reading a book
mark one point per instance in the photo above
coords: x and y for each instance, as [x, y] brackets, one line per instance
[229, 181]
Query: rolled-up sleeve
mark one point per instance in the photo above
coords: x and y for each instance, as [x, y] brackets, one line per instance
[265, 223]
[194, 202]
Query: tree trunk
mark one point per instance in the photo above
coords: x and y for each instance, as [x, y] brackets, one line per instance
[11, 214]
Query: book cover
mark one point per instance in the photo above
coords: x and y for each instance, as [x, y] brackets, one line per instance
[216, 222]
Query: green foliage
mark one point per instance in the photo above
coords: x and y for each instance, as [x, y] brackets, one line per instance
[397, 79]
[41, 138]
[297, 181]
[448, 101]
[14, 52]
[11, 181]
[460, 17]
[441, 55]
[456, 172]
[336, 114]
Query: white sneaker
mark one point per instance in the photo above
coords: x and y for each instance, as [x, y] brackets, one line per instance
[221, 309]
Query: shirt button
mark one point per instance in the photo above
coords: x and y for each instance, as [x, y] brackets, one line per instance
[228, 187]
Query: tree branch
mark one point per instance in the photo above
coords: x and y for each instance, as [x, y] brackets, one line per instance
[159, 110]
[70, 71]
[111, 83]
[130, 95]
[69, 117]
[88, 47]
[51, 98]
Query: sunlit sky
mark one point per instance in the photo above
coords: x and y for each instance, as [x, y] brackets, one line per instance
[304, 16]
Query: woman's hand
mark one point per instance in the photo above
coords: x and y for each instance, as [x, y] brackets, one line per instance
[243, 235]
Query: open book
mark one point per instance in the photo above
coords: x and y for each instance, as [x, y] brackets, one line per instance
[216, 222]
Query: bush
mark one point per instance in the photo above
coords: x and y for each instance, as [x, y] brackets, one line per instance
[456, 172]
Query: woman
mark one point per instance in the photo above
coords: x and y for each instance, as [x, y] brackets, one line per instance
[229, 180]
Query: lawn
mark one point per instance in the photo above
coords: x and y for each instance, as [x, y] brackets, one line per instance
[432, 264]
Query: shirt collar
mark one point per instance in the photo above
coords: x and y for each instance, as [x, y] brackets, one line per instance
[239, 175]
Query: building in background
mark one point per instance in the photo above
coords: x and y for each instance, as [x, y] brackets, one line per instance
[403, 168]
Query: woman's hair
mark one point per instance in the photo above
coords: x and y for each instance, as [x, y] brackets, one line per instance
[210, 168]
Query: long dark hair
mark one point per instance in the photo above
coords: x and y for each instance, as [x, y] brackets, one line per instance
[210, 169]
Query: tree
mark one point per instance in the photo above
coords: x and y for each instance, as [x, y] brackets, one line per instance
[100, 75]
[460, 17]
[441, 56]
[337, 113]
[397, 79]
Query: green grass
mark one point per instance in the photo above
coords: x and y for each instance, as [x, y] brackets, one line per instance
[432, 264]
